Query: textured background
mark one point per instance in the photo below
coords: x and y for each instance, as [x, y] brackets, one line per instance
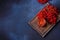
[14, 17]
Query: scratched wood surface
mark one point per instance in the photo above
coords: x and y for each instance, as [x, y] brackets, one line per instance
[42, 30]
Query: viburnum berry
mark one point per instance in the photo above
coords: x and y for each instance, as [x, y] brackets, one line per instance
[42, 1]
[41, 15]
[52, 20]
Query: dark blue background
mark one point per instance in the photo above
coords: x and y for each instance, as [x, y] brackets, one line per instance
[14, 17]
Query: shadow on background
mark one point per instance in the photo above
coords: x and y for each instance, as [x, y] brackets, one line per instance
[3, 36]
[5, 6]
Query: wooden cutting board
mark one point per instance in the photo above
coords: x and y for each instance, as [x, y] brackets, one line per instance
[42, 30]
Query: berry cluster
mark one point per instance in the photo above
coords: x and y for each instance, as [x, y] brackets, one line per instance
[49, 13]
